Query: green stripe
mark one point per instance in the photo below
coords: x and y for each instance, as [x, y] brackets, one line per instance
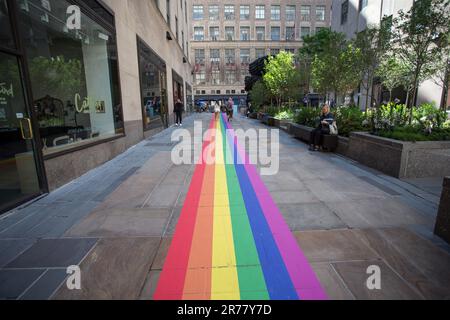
[251, 278]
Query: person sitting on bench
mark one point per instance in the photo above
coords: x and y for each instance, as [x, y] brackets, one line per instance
[326, 119]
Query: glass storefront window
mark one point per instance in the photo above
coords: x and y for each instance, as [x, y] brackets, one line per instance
[153, 78]
[74, 77]
[6, 35]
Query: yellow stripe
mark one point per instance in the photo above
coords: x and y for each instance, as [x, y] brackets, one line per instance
[224, 282]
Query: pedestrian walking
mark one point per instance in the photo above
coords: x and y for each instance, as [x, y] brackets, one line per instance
[179, 113]
[230, 105]
[217, 110]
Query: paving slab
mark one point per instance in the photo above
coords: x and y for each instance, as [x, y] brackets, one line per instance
[333, 245]
[355, 276]
[119, 222]
[14, 282]
[115, 269]
[54, 253]
[46, 285]
[310, 216]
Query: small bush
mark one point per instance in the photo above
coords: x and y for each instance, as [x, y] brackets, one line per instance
[286, 114]
[349, 119]
[308, 116]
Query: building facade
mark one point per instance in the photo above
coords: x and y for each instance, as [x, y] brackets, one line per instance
[82, 81]
[228, 35]
[353, 16]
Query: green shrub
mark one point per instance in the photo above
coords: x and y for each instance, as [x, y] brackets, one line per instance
[349, 119]
[286, 114]
[308, 116]
[416, 133]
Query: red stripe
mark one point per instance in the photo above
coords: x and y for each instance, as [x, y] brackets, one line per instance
[172, 279]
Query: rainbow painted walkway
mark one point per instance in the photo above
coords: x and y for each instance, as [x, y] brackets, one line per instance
[231, 241]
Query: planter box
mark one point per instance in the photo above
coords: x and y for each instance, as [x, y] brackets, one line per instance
[398, 158]
[300, 132]
[283, 124]
[253, 115]
[442, 228]
[271, 121]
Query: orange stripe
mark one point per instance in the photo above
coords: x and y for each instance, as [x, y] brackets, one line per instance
[197, 285]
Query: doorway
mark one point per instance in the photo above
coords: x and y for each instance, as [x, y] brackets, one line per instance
[19, 179]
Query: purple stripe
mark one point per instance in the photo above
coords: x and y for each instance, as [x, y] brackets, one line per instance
[303, 277]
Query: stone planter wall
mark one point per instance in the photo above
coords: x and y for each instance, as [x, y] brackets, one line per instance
[442, 228]
[300, 132]
[400, 159]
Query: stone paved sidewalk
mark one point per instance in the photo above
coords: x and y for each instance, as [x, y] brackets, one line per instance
[117, 222]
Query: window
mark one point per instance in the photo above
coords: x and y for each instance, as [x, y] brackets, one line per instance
[290, 33]
[230, 56]
[230, 77]
[275, 13]
[185, 11]
[214, 33]
[260, 33]
[274, 51]
[215, 77]
[199, 56]
[344, 12]
[362, 4]
[260, 52]
[229, 12]
[214, 56]
[199, 34]
[290, 50]
[245, 12]
[168, 12]
[245, 33]
[320, 13]
[305, 31]
[197, 12]
[73, 77]
[153, 83]
[227, 91]
[214, 12]
[182, 40]
[229, 33]
[318, 29]
[245, 56]
[176, 27]
[244, 72]
[290, 13]
[260, 12]
[305, 13]
[275, 33]
[200, 77]
[5, 26]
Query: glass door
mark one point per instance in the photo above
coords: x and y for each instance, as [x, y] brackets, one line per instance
[18, 175]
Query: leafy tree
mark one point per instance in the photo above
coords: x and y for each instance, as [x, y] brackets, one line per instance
[373, 43]
[258, 94]
[280, 74]
[391, 72]
[337, 67]
[421, 38]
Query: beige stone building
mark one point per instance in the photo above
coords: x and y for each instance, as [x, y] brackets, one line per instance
[84, 87]
[228, 35]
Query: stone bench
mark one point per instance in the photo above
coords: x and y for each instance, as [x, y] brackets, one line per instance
[442, 228]
[329, 142]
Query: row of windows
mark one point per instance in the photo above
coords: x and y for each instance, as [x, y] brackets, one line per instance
[198, 12]
[260, 33]
[230, 55]
[217, 77]
[229, 91]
